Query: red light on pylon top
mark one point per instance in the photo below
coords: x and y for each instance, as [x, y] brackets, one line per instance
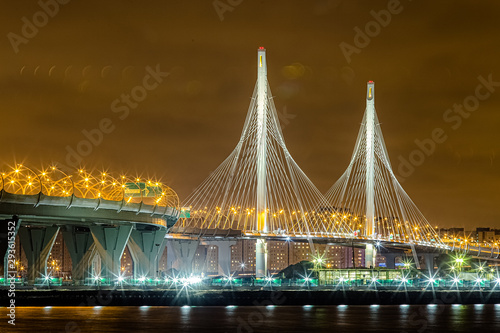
[261, 47]
[370, 81]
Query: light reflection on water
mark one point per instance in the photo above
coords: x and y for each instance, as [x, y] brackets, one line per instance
[341, 318]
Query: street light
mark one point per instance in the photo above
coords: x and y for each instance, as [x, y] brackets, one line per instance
[318, 260]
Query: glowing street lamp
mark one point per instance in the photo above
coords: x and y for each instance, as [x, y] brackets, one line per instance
[459, 262]
[318, 262]
[431, 280]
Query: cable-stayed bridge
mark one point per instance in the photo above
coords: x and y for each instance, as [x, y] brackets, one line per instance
[370, 195]
[259, 189]
[258, 192]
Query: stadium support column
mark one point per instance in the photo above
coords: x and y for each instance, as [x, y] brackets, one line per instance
[261, 209]
[110, 241]
[146, 245]
[370, 252]
[78, 242]
[37, 243]
[180, 254]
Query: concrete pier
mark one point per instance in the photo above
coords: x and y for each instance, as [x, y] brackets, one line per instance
[78, 241]
[110, 242]
[146, 246]
[37, 243]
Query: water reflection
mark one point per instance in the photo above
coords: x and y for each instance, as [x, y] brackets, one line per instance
[341, 318]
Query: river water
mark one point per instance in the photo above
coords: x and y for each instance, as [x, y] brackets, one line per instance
[351, 318]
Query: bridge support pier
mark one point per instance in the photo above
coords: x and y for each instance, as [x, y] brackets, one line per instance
[429, 261]
[180, 254]
[224, 255]
[370, 255]
[37, 243]
[390, 260]
[146, 246]
[110, 242]
[260, 258]
[4, 243]
[78, 242]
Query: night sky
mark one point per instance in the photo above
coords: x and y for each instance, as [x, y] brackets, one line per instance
[64, 77]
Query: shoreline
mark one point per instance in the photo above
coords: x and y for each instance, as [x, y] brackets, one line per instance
[169, 297]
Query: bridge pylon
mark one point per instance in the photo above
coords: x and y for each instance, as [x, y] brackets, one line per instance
[370, 252]
[261, 216]
[369, 196]
[259, 191]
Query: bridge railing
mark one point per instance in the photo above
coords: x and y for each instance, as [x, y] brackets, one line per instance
[491, 251]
